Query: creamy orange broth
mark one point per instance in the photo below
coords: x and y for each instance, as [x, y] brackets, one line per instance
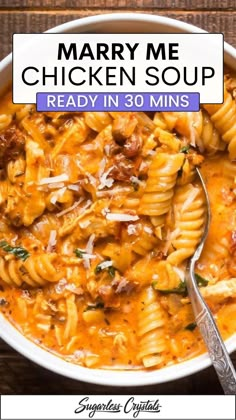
[80, 190]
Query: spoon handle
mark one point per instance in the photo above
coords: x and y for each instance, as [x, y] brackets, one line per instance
[217, 351]
[211, 336]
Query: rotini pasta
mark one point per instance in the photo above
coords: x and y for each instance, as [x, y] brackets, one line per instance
[210, 137]
[188, 208]
[36, 271]
[223, 117]
[197, 128]
[162, 175]
[152, 340]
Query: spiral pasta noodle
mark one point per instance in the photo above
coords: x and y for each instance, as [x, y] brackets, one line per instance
[188, 124]
[197, 128]
[35, 271]
[223, 117]
[152, 341]
[210, 137]
[161, 180]
[98, 120]
[188, 205]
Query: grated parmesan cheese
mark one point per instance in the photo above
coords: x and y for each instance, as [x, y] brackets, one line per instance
[61, 213]
[135, 180]
[73, 187]
[107, 149]
[148, 230]
[191, 129]
[105, 264]
[87, 256]
[53, 179]
[89, 147]
[89, 247]
[56, 185]
[52, 240]
[89, 250]
[121, 217]
[84, 224]
[105, 181]
[57, 195]
[192, 195]
[132, 229]
[143, 166]
[91, 178]
[60, 286]
[179, 272]
[105, 211]
[171, 237]
[102, 166]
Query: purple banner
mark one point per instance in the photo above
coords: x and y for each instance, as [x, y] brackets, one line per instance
[117, 102]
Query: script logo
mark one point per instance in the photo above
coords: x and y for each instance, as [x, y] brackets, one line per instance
[131, 406]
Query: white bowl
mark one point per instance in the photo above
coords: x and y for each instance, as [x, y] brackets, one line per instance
[110, 23]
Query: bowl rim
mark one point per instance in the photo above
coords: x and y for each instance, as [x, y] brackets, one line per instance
[55, 363]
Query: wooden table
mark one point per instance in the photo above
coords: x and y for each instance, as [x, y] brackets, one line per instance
[17, 374]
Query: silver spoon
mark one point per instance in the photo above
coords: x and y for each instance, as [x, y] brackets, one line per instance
[204, 319]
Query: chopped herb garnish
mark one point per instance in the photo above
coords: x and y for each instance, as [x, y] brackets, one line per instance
[191, 326]
[180, 290]
[97, 269]
[201, 282]
[18, 251]
[111, 270]
[98, 305]
[184, 149]
[79, 252]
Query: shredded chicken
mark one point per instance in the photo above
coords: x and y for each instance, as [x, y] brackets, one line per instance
[120, 342]
[221, 290]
